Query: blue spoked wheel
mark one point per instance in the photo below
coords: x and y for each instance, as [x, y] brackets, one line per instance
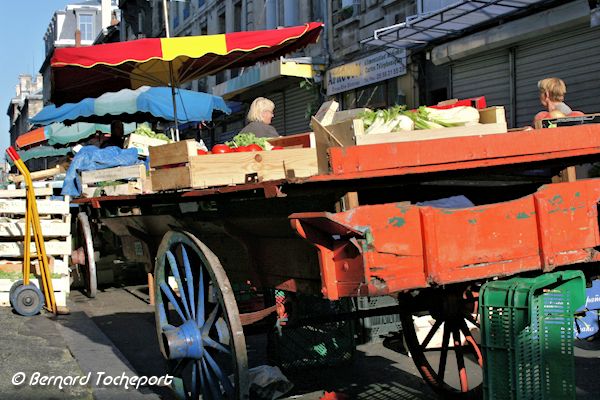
[197, 319]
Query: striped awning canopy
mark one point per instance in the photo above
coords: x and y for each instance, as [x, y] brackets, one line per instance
[80, 72]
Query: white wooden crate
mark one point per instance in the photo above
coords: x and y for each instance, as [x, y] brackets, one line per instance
[10, 227]
[59, 285]
[54, 247]
[55, 221]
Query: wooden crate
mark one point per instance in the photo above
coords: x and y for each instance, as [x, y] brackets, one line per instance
[55, 221]
[351, 132]
[142, 143]
[59, 285]
[137, 173]
[227, 169]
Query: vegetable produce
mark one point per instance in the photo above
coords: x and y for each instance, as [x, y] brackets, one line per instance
[254, 147]
[384, 121]
[397, 118]
[247, 138]
[145, 130]
[221, 149]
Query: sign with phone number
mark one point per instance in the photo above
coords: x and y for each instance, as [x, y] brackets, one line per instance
[365, 71]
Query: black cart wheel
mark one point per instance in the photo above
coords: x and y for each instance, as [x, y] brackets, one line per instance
[445, 351]
[83, 255]
[28, 300]
[197, 320]
[13, 288]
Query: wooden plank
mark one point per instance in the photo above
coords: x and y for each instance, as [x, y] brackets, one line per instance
[114, 190]
[39, 192]
[568, 174]
[326, 112]
[53, 248]
[428, 134]
[232, 169]
[492, 115]
[172, 178]
[173, 153]
[346, 115]
[324, 139]
[298, 140]
[114, 174]
[50, 228]
[57, 266]
[37, 175]
[17, 206]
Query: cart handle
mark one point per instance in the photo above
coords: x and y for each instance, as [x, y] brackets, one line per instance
[12, 153]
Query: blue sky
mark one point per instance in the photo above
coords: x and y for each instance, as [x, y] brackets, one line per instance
[23, 24]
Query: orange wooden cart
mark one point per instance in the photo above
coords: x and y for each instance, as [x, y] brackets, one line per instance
[357, 232]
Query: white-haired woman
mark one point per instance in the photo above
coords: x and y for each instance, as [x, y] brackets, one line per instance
[260, 117]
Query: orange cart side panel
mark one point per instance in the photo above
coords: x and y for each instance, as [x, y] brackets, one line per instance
[497, 239]
[393, 247]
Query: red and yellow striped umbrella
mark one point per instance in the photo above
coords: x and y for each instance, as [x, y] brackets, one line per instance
[80, 72]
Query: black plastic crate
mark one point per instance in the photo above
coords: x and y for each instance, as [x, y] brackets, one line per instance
[304, 343]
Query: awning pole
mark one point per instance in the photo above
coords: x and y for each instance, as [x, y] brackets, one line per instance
[175, 135]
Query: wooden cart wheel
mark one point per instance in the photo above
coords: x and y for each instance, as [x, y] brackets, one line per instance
[83, 255]
[197, 320]
[445, 350]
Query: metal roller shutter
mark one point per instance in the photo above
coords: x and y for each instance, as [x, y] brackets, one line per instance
[573, 56]
[278, 118]
[486, 75]
[296, 101]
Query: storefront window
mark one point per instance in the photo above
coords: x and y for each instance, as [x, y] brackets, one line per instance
[381, 95]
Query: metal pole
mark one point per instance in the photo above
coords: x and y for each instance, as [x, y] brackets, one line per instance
[175, 135]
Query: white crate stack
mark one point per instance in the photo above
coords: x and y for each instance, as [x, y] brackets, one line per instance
[55, 220]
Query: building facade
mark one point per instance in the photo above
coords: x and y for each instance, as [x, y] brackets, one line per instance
[78, 24]
[27, 102]
[363, 75]
[500, 51]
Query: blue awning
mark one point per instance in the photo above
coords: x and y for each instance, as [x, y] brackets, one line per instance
[140, 105]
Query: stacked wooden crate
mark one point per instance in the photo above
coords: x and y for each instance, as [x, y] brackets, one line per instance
[55, 220]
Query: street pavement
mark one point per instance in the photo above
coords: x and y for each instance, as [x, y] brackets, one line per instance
[114, 334]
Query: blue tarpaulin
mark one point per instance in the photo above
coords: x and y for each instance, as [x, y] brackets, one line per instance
[91, 158]
[138, 105]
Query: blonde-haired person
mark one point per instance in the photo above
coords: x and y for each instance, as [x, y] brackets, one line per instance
[552, 95]
[260, 117]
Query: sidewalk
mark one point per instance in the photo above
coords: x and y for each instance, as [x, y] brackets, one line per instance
[64, 350]
[30, 345]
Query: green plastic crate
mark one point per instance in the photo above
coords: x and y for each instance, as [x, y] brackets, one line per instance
[527, 335]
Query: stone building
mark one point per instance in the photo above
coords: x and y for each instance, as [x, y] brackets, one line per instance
[26, 103]
[86, 20]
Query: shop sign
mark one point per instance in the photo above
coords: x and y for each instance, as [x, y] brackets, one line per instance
[365, 71]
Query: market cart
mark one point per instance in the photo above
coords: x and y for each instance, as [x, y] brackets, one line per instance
[364, 229]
